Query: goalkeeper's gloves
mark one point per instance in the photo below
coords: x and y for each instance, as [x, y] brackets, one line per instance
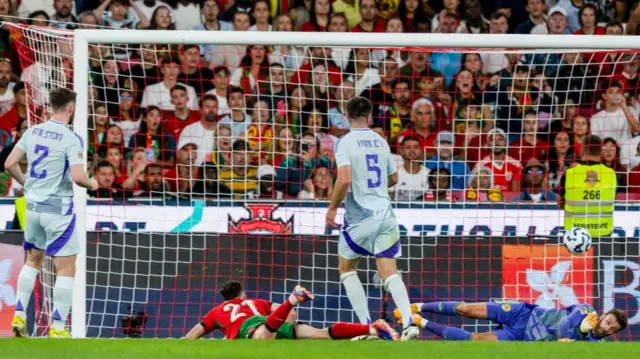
[566, 340]
[589, 322]
[415, 308]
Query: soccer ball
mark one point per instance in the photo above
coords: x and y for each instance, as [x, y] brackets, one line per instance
[577, 240]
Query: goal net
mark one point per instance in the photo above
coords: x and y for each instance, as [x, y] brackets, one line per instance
[216, 163]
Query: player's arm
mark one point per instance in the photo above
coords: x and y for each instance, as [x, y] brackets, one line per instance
[341, 187]
[75, 155]
[580, 318]
[393, 179]
[79, 177]
[196, 332]
[392, 171]
[12, 164]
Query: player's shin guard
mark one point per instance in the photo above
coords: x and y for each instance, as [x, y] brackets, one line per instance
[396, 287]
[278, 316]
[448, 333]
[357, 296]
[444, 308]
[62, 298]
[25, 285]
[348, 330]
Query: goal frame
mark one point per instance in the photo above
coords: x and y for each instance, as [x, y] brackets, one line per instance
[83, 38]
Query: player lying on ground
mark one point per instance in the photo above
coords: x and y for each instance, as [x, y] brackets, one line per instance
[366, 170]
[242, 318]
[522, 321]
[55, 158]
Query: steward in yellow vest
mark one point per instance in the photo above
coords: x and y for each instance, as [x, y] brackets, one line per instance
[590, 191]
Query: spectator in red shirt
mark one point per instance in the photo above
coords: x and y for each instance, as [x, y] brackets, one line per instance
[611, 159]
[18, 112]
[607, 63]
[369, 16]
[589, 21]
[421, 127]
[181, 178]
[506, 169]
[529, 145]
[318, 16]
[182, 115]
[107, 188]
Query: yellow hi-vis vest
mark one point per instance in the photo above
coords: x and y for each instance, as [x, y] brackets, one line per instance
[21, 211]
[589, 194]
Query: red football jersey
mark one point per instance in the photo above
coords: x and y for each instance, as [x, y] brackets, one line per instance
[229, 316]
[509, 170]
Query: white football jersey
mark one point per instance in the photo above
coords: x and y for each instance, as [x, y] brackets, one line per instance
[371, 163]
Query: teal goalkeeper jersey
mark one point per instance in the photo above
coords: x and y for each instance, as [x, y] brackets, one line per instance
[51, 148]
[554, 324]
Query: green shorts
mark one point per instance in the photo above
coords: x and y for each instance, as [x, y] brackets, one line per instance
[286, 331]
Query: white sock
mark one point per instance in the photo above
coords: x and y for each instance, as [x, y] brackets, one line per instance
[62, 298]
[26, 283]
[395, 286]
[357, 296]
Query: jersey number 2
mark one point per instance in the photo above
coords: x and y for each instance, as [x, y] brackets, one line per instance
[235, 308]
[373, 166]
[43, 152]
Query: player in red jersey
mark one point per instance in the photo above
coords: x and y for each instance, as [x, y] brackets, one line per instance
[242, 318]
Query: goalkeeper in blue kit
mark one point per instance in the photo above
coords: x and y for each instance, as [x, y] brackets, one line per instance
[519, 321]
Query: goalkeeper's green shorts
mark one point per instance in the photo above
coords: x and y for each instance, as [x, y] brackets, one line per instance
[286, 331]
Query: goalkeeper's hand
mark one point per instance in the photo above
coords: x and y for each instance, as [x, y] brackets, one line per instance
[589, 322]
[566, 340]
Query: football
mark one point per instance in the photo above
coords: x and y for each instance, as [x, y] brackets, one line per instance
[577, 240]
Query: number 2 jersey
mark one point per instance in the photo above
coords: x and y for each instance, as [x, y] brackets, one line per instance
[371, 163]
[229, 316]
[51, 148]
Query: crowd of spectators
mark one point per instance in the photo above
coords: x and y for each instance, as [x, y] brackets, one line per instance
[250, 122]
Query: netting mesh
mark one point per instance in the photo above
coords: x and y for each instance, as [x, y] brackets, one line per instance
[210, 156]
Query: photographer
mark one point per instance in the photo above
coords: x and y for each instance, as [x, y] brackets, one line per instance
[295, 170]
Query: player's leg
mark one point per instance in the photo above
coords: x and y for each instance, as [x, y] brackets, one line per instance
[349, 255]
[63, 246]
[339, 331]
[453, 333]
[278, 317]
[387, 248]
[34, 244]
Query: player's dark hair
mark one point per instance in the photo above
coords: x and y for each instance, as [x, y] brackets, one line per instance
[592, 146]
[231, 290]
[359, 108]
[621, 317]
[61, 97]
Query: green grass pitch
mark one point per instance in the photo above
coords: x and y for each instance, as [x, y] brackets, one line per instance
[213, 349]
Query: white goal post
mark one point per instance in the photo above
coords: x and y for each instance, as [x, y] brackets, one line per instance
[83, 38]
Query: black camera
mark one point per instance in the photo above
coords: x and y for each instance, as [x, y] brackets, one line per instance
[134, 323]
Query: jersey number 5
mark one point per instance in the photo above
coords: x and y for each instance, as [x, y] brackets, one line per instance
[235, 308]
[43, 152]
[373, 166]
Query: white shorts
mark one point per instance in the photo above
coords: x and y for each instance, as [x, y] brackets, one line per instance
[54, 233]
[371, 238]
